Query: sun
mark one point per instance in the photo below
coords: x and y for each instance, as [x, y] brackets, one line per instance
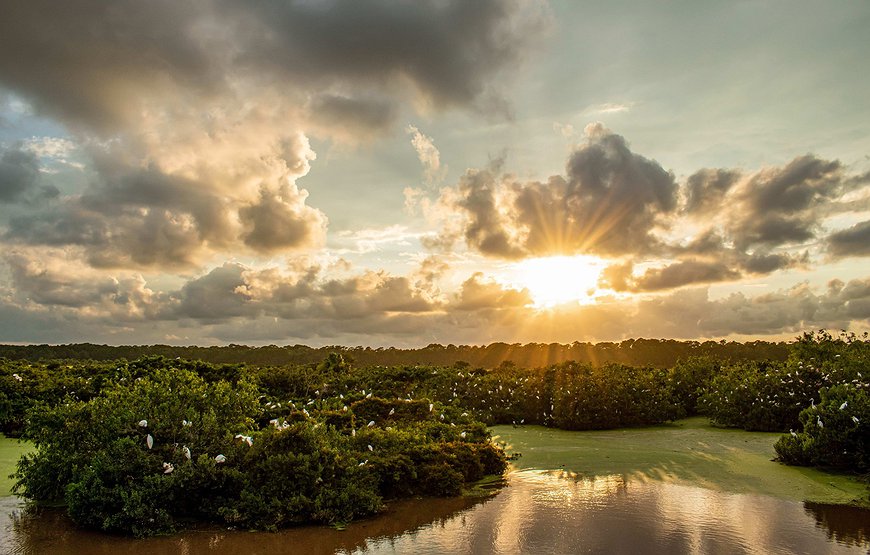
[556, 280]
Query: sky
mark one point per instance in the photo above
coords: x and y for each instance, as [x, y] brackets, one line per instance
[365, 172]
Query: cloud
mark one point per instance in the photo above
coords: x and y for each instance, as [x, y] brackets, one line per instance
[478, 294]
[775, 206]
[678, 274]
[428, 154]
[194, 119]
[19, 173]
[234, 302]
[104, 66]
[706, 189]
[717, 225]
[280, 220]
[352, 118]
[610, 203]
[854, 241]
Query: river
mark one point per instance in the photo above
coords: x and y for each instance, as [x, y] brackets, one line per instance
[685, 488]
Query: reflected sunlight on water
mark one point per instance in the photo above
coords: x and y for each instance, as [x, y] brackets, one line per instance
[538, 512]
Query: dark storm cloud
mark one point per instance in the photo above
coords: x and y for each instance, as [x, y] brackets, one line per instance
[447, 49]
[777, 206]
[129, 238]
[90, 62]
[854, 241]
[279, 221]
[683, 273]
[99, 64]
[356, 116]
[608, 203]
[20, 179]
[705, 189]
[19, 173]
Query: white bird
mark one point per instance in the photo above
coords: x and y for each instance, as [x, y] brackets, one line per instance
[143, 423]
[819, 422]
[168, 468]
[149, 441]
[844, 405]
[370, 447]
[370, 424]
[392, 412]
[792, 433]
[220, 459]
[344, 408]
[462, 435]
[186, 423]
[353, 432]
[855, 419]
[431, 406]
[362, 463]
[369, 396]
[274, 422]
[186, 452]
[17, 377]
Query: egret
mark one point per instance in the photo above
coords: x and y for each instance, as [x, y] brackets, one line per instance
[462, 435]
[819, 422]
[168, 468]
[793, 434]
[149, 441]
[143, 423]
[353, 432]
[844, 405]
[186, 452]
[855, 419]
[370, 424]
[392, 412]
[370, 447]
[369, 396]
[431, 406]
[220, 459]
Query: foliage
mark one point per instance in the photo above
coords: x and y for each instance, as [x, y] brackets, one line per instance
[271, 446]
[835, 432]
[170, 443]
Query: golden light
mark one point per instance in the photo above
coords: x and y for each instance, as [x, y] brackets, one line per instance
[557, 280]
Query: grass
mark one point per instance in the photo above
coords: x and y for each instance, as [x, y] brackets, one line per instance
[10, 451]
[689, 451]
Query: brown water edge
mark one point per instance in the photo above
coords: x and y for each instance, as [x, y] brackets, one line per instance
[32, 530]
[538, 512]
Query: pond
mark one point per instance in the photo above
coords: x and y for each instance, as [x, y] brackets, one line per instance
[684, 488]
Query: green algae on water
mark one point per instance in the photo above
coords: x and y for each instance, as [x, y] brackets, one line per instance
[688, 451]
[10, 451]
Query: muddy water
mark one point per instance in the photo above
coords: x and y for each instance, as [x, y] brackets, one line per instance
[681, 488]
[537, 512]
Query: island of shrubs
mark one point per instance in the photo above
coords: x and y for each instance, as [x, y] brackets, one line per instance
[152, 445]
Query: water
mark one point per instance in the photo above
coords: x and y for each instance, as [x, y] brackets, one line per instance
[537, 512]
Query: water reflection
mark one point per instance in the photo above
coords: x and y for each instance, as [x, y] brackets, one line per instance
[539, 512]
[844, 524]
